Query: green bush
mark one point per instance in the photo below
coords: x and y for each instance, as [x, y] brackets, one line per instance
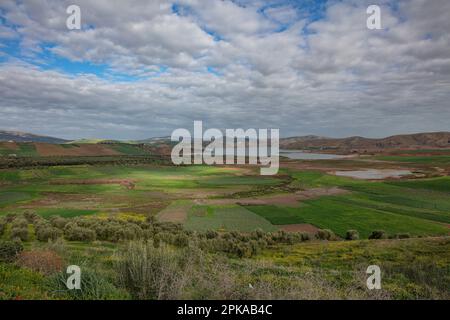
[94, 286]
[45, 233]
[58, 222]
[325, 234]
[73, 232]
[305, 236]
[402, 236]
[152, 273]
[9, 250]
[2, 225]
[31, 216]
[352, 235]
[20, 233]
[378, 234]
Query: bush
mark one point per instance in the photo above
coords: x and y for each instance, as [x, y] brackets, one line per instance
[152, 273]
[73, 232]
[325, 234]
[94, 286]
[402, 236]
[58, 222]
[352, 235]
[2, 225]
[20, 233]
[43, 261]
[9, 250]
[20, 222]
[378, 234]
[45, 233]
[305, 236]
[31, 216]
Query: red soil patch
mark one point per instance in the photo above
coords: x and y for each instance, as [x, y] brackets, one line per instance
[48, 150]
[301, 227]
[9, 145]
[127, 183]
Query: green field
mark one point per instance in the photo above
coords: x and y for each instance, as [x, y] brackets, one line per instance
[229, 218]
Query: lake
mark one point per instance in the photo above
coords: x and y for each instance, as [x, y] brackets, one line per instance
[302, 155]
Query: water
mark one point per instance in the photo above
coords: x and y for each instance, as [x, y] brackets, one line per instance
[301, 155]
[373, 173]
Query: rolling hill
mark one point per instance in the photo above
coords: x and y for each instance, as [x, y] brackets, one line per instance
[18, 136]
[406, 141]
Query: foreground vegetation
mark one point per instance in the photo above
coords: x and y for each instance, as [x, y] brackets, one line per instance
[411, 269]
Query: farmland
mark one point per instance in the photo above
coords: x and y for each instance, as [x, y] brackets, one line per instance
[89, 212]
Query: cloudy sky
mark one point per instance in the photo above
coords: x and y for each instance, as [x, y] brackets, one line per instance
[138, 69]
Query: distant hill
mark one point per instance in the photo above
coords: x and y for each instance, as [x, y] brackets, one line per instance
[404, 141]
[18, 136]
[155, 140]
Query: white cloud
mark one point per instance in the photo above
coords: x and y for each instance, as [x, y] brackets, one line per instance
[331, 77]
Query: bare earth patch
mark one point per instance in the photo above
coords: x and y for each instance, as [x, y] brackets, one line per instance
[9, 145]
[126, 183]
[301, 227]
[46, 150]
[290, 200]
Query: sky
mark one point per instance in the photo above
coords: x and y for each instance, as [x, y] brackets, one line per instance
[139, 68]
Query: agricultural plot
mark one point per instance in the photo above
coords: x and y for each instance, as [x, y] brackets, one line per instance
[231, 217]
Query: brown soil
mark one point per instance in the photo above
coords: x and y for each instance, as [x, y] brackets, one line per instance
[48, 150]
[290, 200]
[9, 145]
[126, 183]
[301, 227]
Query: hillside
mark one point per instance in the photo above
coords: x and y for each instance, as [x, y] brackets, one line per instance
[406, 141]
[18, 136]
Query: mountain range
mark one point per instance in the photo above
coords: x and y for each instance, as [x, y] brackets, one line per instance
[404, 141]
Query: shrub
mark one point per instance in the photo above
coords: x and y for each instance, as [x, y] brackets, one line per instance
[305, 236]
[94, 286]
[43, 261]
[181, 240]
[45, 233]
[58, 222]
[10, 217]
[20, 233]
[378, 234]
[9, 250]
[211, 234]
[325, 234]
[152, 273]
[402, 236]
[352, 235]
[2, 225]
[73, 232]
[31, 216]
[20, 222]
